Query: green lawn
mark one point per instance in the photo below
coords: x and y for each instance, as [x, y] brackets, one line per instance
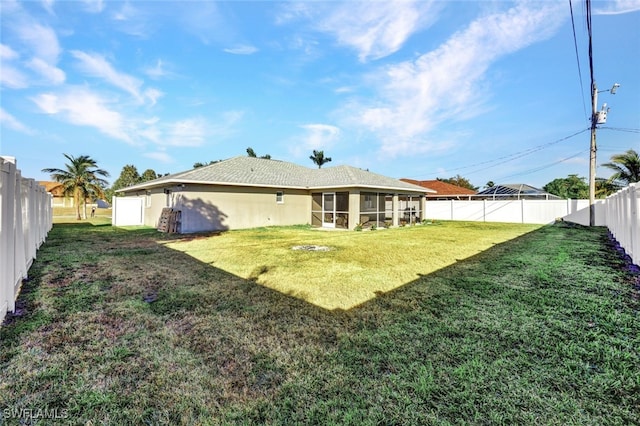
[356, 267]
[129, 326]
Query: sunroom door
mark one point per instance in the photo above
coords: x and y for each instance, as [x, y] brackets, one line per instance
[329, 209]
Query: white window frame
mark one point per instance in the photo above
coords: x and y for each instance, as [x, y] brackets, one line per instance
[279, 197]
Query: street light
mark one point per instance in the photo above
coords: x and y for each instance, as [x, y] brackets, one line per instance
[597, 117]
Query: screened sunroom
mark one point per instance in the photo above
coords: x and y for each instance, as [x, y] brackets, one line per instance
[367, 209]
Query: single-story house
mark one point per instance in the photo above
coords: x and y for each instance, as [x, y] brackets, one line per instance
[58, 199]
[247, 192]
[443, 190]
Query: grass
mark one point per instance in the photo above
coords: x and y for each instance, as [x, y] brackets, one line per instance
[115, 327]
[358, 265]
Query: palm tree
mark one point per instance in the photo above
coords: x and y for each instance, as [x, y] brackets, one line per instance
[319, 158]
[626, 168]
[80, 178]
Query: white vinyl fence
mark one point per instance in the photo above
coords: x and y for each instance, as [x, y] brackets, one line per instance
[25, 220]
[623, 219]
[514, 211]
[618, 212]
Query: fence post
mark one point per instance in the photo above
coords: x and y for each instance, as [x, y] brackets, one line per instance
[20, 238]
[634, 217]
[5, 176]
[7, 232]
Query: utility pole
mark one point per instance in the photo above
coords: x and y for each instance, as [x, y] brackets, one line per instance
[597, 117]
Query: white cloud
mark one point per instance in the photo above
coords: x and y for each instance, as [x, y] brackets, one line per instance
[10, 76]
[616, 7]
[7, 53]
[344, 89]
[11, 122]
[50, 73]
[291, 11]
[316, 136]
[48, 5]
[161, 156]
[96, 65]
[158, 71]
[13, 78]
[38, 41]
[206, 22]
[320, 135]
[138, 22]
[186, 133]
[190, 132]
[414, 96]
[80, 106]
[153, 95]
[41, 39]
[93, 6]
[242, 50]
[376, 31]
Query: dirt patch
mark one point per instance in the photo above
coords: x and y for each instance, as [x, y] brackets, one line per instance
[311, 248]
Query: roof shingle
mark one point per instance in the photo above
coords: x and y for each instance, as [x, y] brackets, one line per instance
[251, 171]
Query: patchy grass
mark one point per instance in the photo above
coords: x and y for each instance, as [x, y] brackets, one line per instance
[69, 214]
[117, 328]
[358, 265]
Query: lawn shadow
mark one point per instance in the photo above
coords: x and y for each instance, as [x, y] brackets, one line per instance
[138, 315]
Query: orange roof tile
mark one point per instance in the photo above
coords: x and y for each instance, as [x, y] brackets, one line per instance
[441, 188]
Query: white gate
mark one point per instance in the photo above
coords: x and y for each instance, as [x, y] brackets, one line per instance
[128, 211]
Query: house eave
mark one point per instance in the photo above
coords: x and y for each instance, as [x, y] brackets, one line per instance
[176, 182]
[376, 187]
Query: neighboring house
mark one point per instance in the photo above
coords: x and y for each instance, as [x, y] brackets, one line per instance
[443, 190]
[517, 191]
[58, 198]
[247, 192]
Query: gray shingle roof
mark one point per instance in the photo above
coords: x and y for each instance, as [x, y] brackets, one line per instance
[251, 171]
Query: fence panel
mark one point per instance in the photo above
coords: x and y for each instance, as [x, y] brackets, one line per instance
[25, 220]
[619, 212]
[623, 219]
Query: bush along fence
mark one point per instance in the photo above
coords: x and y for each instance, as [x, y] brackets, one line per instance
[25, 221]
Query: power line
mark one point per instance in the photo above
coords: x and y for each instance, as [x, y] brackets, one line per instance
[505, 158]
[546, 166]
[590, 34]
[575, 43]
[621, 129]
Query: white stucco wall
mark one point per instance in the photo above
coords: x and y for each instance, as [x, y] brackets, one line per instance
[209, 208]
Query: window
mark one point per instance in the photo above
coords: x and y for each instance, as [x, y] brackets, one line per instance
[280, 197]
[147, 199]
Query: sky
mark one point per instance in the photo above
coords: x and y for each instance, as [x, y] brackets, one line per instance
[488, 90]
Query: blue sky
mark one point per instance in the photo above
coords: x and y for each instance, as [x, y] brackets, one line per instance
[489, 90]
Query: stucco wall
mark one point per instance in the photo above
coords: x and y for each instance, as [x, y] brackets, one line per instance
[208, 208]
